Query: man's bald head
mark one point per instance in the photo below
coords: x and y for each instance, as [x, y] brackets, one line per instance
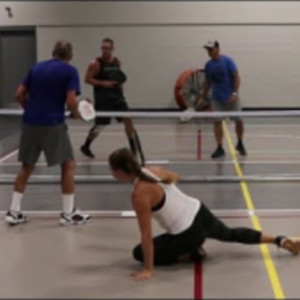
[63, 50]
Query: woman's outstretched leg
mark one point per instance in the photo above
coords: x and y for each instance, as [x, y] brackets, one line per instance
[216, 229]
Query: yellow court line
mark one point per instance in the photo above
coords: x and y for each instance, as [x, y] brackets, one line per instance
[270, 266]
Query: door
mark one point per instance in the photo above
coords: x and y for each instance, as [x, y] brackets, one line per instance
[17, 56]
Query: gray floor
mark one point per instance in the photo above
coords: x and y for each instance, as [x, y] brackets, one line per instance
[41, 259]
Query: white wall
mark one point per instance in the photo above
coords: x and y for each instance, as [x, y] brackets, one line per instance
[158, 40]
[157, 12]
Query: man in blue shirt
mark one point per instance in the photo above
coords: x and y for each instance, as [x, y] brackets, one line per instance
[46, 89]
[222, 76]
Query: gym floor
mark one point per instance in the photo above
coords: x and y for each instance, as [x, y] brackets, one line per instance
[40, 259]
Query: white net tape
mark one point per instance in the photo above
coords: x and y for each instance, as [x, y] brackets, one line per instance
[192, 114]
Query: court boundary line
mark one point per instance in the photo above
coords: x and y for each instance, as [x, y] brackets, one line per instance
[199, 144]
[198, 280]
[87, 162]
[218, 212]
[198, 266]
[8, 155]
[50, 179]
[269, 263]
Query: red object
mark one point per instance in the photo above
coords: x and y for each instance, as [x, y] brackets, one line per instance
[181, 81]
[183, 77]
[199, 144]
[198, 283]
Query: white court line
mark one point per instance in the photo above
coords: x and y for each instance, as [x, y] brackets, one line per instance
[9, 155]
[170, 162]
[86, 178]
[273, 135]
[172, 134]
[87, 163]
[273, 162]
[158, 161]
[142, 127]
[175, 133]
[276, 151]
[131, 213]
[272, 125]
[212, 162]
[150, 132]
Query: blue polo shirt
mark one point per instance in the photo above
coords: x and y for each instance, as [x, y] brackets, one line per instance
[48, 83]
[220, 73]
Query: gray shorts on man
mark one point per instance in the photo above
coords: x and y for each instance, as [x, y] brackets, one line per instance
[222, 106]
[53, 141]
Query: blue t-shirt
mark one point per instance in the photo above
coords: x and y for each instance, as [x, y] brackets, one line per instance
[48, 83]
[220, 73]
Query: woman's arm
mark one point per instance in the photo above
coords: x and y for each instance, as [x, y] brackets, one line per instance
[142, 207]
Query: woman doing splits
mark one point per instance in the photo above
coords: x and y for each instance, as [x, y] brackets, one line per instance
[187, 220]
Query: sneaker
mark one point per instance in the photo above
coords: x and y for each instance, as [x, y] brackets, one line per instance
[87, 152]
[75, 218]
[290, 245]
[241, 149]
[15, 218]
[219, 152]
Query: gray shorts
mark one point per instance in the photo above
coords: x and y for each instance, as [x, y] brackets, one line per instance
[221, 106]
[54, 141]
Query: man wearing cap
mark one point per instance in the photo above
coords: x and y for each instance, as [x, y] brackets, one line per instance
[222, 76]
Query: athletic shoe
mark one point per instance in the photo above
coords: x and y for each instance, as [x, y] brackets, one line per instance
[241, 149]
[288, 244]
[219, 152]
[15, 218]
[291, 245]
[87, 152]
[75, 218]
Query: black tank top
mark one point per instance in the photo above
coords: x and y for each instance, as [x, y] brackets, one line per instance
[105, 94]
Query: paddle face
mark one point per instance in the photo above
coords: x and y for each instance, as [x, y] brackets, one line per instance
[86, 110]
[117, 76]
[185, 119]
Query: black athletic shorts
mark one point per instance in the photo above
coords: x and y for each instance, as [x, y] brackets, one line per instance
[114, 104]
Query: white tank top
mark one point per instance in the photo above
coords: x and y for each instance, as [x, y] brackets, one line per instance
[179, 209]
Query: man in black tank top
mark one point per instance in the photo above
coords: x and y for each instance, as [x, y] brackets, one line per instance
[108, 96]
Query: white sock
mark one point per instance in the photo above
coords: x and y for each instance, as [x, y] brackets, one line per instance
[16, 201]
[68, 203]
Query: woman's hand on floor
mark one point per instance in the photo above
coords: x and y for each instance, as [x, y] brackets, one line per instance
[142, 275]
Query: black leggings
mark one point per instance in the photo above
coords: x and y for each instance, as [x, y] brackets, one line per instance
[168, 248]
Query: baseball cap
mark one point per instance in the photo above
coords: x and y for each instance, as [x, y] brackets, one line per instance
[211, 44]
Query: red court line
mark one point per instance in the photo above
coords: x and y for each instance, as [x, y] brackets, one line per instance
[198, 281]
[199, 145]
[198, 278]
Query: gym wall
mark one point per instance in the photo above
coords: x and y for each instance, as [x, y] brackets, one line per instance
[156, 41]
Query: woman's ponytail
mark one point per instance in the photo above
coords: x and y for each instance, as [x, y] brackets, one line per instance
[123, 159]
